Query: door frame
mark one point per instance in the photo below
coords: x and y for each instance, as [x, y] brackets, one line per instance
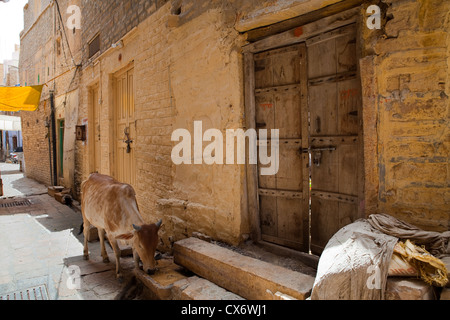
[296, 35]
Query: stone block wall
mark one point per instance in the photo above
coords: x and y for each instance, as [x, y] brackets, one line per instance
[38, 22]
[112, 20]
[411, 69]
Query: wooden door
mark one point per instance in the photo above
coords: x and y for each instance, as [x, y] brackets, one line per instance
[125, 128]
[96, 131]
[335, 110]
[280, 84]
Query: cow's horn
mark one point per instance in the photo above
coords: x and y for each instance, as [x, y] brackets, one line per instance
[137, 228]
[158, 224]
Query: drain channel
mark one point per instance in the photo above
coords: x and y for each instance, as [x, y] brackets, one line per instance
[33, 293]
[15, 203]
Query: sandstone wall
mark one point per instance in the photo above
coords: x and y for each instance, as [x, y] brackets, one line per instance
[36, 34]
[185, 73]
[411, 107]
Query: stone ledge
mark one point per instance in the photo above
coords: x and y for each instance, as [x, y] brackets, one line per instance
[195, 288]
[245, 276]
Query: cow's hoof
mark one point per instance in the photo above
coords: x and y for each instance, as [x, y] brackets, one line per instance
[119, 277]
[86, 257]
[106, 260]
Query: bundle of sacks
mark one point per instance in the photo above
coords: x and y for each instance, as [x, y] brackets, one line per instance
[359, 258]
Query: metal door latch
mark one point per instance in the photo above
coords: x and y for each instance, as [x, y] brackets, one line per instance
[126, 131]
[317, 151]
[318, 154]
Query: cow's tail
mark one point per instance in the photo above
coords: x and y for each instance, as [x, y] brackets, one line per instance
[81, 228]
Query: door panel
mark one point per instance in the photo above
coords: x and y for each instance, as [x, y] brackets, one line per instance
[265, 110]
[287, 103]
[323, 109]
[321, 58]
[283, 207]
[288, 176]
[334, 104]
[348, 104]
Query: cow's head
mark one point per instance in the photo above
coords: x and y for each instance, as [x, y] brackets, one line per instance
[145, 241]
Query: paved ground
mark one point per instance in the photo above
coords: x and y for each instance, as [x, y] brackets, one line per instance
[41, 246]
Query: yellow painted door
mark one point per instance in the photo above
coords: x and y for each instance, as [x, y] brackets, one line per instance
[125, 128]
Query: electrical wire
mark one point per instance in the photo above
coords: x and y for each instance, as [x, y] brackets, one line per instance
[64, 31]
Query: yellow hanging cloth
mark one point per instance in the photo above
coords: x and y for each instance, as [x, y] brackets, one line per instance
[20, 98]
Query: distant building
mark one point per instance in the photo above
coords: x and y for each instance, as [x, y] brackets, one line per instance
[49, 50]
[10, 74]
[10, 126]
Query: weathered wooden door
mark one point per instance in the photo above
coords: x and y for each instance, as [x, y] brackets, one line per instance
[125, 128]
[96, 131]
[334, 106]
[280, 84]
[311, 92]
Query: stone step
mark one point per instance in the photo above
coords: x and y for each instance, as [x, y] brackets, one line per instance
[245, 276]
[159, 285]
[170, 282]
[195, 288]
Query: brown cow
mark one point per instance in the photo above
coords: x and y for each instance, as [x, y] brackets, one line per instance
[111, 206]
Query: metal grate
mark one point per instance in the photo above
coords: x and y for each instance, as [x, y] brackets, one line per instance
[33, 293]
[94, 45]
[16, 203]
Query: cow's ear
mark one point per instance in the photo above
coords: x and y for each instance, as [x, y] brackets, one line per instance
[125, 236]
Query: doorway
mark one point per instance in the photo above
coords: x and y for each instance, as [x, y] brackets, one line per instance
[310, 91]
[125, 127]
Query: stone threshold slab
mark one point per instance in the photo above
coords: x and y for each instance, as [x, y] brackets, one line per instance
[245, 276]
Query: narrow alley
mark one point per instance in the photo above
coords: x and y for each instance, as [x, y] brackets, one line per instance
[240, 150]
[42, 253]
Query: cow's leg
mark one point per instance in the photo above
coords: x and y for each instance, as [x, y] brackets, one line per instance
[136, 259]
[116, 249]
[86, 227]
[101, 235]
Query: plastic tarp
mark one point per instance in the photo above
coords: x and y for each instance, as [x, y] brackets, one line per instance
[355, 262]
[20, 98]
